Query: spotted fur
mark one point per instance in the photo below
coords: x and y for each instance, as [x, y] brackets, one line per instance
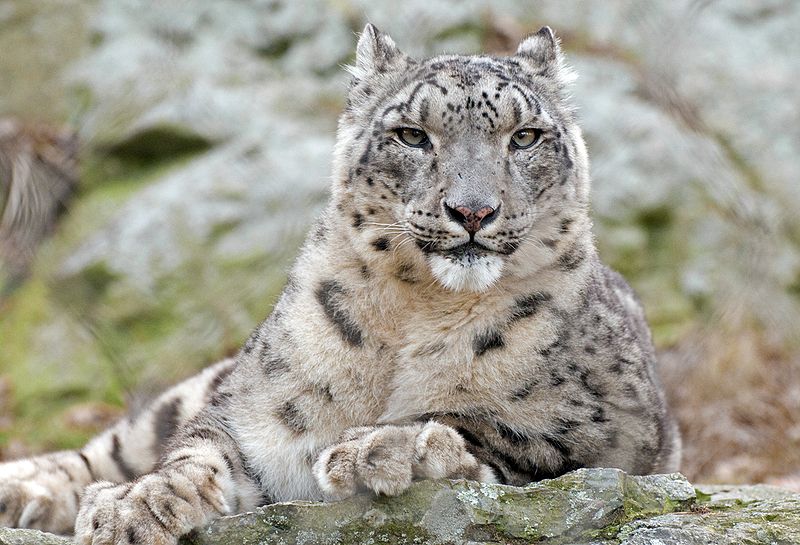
[410, 342]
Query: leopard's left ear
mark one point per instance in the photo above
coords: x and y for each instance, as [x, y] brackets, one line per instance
[541, 53]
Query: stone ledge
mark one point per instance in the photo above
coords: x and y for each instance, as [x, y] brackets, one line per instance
[585, 507]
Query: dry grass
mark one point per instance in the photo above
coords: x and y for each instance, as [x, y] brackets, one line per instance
[736, 394]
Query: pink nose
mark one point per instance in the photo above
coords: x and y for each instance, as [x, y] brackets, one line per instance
[471, 220]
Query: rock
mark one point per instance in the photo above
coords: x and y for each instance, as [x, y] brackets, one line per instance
[585, 507]
[206, 137]
[10, 536]
[727, 516]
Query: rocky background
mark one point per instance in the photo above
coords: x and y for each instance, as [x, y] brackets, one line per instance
[161, 161]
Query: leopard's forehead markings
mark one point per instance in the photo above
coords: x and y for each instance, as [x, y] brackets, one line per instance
[486, 92]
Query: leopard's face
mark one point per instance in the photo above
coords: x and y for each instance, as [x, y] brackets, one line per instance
[467, 159]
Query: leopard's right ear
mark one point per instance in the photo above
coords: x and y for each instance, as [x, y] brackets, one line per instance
[541, 52]
[376, 53]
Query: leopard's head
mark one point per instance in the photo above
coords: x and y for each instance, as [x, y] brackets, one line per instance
[473, 163]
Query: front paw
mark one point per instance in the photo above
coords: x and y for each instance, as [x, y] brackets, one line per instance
[386, 459]
[378, 459]
[26, 504]
[155, 509]
[40, 493]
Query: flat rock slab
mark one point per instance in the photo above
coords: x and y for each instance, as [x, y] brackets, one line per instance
[585, 507]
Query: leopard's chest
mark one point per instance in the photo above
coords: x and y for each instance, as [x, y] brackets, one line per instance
[474, 365]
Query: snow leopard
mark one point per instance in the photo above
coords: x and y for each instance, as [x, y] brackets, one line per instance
[447, 317]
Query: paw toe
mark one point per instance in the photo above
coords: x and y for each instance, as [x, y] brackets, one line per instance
[385, 460]
[335, 469]
[441, 453]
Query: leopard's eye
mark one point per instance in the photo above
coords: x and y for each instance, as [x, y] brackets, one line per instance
[525, 138]
[416, 138]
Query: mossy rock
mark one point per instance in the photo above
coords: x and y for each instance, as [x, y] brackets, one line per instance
[585, 507]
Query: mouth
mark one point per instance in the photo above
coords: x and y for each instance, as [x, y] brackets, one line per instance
[469, 248]
[467, 251]
[467, 267]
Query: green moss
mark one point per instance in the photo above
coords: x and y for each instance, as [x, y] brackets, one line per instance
[44, 385]
[277, 48]
[702, 497]
[394, 532]
[221, 229]
[70, 338]
[649, 250]
[158, 143]
[89, 286]
[794, 287]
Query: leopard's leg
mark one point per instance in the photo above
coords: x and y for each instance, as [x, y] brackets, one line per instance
[386, 459]
[44, 492]
[202, 477]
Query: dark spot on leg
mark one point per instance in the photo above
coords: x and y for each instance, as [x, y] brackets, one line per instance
[524, 391]
[156, 518]
[572, 258]
[229, 463]
[88, 466]
[220, 377]
[587, 385]
[487, 341]
[220, 398]
[469, 438]
[324, 392]
[405, 273]
[381, 244]
[290, 416]
[167, 419]
[329, 295]
[528, 306]
[205, 433]
[180, 459]
[599, 415]
[251, 342]
[558, 442]
[271, 362]
[132, 535]
[513, 436]
[116, 455]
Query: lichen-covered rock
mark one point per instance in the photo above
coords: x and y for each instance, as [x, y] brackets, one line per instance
[207, 130]
[10, 536]
[585, 507]
[723, 516]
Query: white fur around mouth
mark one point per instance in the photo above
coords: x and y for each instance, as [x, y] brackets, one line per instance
[467, 272]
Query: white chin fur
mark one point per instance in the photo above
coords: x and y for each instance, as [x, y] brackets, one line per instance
[467, 273]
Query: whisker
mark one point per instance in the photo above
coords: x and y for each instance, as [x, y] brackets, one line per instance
[402, 243]
[377, 224]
